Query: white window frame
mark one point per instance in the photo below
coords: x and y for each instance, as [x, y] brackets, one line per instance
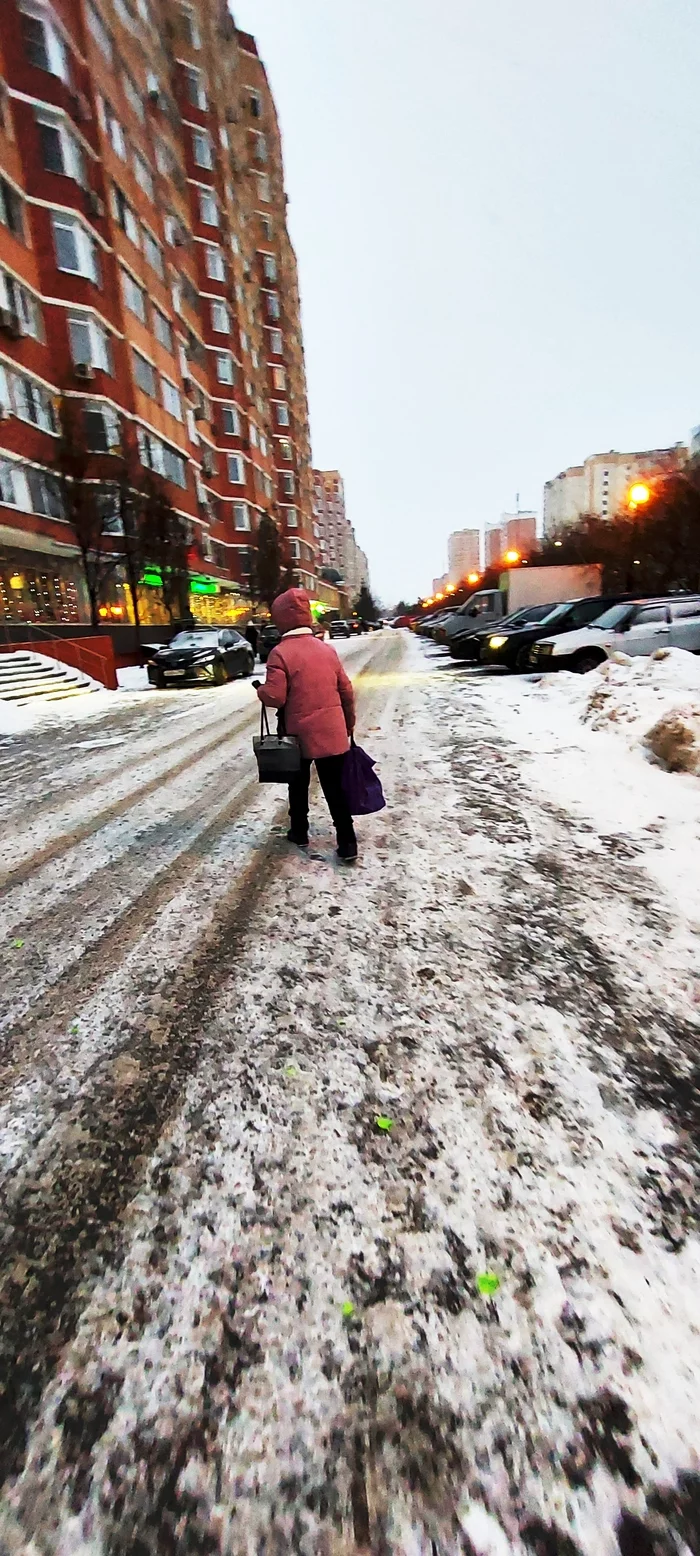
[138, 356]
[235, 462]
[99, 31]
[208, 200]
[221, 358]
[71, 150]
[132, 288]
[196, 77]
[281, 413]
[275, 337]
[241, 517]
[214, 262]
[269, 267]
[229, 409]
[170, 395]
[158, 315]
[202, 149]
[152, 246]
[143, 175]
[99, 341]
[220, 316]
[88, 264]
[55, 46]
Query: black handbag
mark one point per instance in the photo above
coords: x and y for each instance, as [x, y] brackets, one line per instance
[278, 756]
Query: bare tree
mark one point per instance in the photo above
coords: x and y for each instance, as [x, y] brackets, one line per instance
[165, 544]
[83, 503]
[266, 562]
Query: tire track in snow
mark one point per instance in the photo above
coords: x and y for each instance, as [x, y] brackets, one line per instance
[63, 1217]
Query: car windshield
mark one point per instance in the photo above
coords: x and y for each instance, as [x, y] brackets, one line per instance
[554, 613]
[527, 613]
[195, 640]
[611, 617]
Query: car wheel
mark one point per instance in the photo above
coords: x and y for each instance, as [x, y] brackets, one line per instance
[590, 659]
[522, 659]
[159, 681]
[220, 673]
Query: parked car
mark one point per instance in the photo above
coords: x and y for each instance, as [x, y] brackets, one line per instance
[270, 636]
[402, 621]
[204, 654]
[468, 645]
[438, 628]
[339, 629]
[631, 627]
[512, 647]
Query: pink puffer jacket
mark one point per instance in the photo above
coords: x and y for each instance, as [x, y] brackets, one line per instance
[306, 678]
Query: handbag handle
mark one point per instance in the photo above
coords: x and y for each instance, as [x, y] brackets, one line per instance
[264, 726]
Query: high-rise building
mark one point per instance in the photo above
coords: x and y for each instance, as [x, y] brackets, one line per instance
[337, 548]
[440, 584]
[493, 544]
[519, 531]
[146, 276]
[600, 485]
[463, 554]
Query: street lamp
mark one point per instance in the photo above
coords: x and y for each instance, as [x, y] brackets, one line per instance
[638, 494]
[511, 558]
[473, 578]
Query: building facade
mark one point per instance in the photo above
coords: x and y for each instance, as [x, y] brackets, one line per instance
[600, 485]
[338, 551]
[519, 531]
[148, 281]
[463, 554]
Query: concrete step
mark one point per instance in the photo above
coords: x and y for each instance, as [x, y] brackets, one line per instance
[27, 678]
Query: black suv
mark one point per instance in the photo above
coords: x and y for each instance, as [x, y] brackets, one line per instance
[510, 646]
[467, 644]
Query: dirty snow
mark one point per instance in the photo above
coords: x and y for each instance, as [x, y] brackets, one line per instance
[268, 1334]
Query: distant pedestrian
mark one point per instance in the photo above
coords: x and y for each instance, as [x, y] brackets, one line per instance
[306, 679]
[251, 633]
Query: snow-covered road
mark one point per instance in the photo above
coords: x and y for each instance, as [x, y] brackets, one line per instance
[238, 1313]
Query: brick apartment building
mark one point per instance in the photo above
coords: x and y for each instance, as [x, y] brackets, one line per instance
[146, 273]
[338, 550]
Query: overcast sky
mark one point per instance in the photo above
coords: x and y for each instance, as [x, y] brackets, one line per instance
[495, 209]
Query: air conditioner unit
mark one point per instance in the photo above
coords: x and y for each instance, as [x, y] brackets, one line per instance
[94, 204]
[10, 323]
[187, 383]
[179, 238]
[84, 371]
[207, 464]
[199, 413]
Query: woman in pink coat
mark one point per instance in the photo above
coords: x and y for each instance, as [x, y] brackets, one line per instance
[306, 678]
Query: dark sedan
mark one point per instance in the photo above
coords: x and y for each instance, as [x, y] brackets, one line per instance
[510, 646]
[209, 654]
[339, 629]
[467, 645]
[268, 639]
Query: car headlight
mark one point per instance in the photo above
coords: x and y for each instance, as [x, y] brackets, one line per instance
[497, 642]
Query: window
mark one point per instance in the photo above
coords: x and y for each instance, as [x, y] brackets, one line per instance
[143, 175]
[288, 483]
[276, 342]
[75, 250]
[133, 96]
[208, 209]
[190, 27]
[264, 188]
[113, 130]
[31, 402]
[279, 378]
[260, 147]
[101, 428]
[162, 158]
[134, 296]
[44, 46]
[171, 398]
[269, 267]
[282, 414]
[11, 209]
[99, 32]
[23, 303]
[292, 518]
[144, 375]
[285, 448]
[266, 224]
[253, 434]
[256, 105]
[196, 90]
[202, 149]
[13, 485]
[647, 614]
[220, 318]
[214, 262]
[236, 469]
[294, 550]
[124, 215]
[241, 516]
[225, 371]
[162, 330]
[263, 445]
[273, 305]
[685, 609]
[59, 150]
[158, 456]
[153, 252]
[230, 421]
[89, 343]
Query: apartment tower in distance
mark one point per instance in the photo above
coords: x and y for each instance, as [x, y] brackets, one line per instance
[600, 485]
[146, 278]
[338, 551]
[463, 554]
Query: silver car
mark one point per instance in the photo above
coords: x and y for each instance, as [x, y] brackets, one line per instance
[635, 627]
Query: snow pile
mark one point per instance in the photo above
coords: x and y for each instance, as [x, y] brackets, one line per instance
[652, 702]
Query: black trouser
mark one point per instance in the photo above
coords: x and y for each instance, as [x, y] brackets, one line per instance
[330, 773]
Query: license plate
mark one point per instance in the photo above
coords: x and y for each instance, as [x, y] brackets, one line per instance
[174, 672]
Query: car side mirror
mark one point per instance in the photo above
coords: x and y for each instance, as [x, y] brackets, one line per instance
[473, 611]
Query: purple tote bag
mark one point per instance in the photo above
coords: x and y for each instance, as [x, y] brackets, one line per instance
[361, 786]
